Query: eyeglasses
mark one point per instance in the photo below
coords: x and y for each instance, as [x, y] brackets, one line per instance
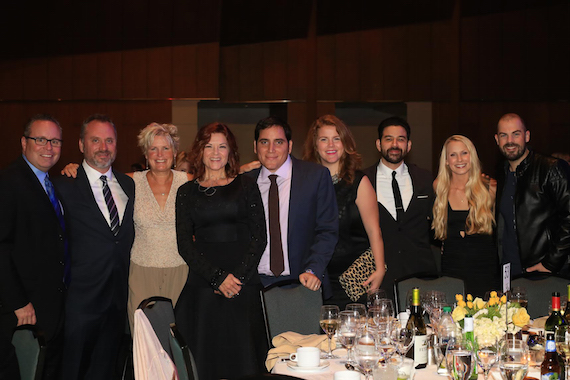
[43, 141]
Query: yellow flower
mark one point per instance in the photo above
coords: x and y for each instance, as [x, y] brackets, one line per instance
[493, 294]
[458, 314]
[461, 303]
[469, 297]
[459, 297]
[504, 299]
[469, 304]
[521, 317]
[479, 303]
[492, 301]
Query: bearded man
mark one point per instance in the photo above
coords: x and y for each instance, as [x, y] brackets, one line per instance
[533, 203]
[405, 200]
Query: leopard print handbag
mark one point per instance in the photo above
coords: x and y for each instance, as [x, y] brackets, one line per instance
[351, 279]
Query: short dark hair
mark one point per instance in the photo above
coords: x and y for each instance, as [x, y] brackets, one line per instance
[391, 122]
[39, 117]
[273, 121]
[96, 117]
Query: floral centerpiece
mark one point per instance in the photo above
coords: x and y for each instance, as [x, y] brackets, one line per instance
[491, 319]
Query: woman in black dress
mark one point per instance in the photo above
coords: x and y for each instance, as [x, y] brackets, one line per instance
[330, 143]
[463, 217]
[220, 227]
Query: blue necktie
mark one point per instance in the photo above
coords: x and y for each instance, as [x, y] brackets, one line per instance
[113, 212]
[57, 208]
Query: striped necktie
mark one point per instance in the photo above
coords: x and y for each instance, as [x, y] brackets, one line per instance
[111, 206]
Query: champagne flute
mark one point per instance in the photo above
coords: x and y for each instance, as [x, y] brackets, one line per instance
[487, 355]
[562, 339]
[329, 324]
[367, 354]
[513, 359]
[349, 320]
[361, 309]
[459, 358]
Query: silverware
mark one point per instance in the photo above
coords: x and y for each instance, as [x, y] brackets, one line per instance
[350, 367]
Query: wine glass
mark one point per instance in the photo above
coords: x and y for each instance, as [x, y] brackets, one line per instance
[519, 295]
[361, 309]
[385, 310]
[513, 359]
[459, 358]
[367, 354]
[376, 295]
[349, 320]
[329, 324]
[562, 339]
[443, 335]
[402, 337]
[487, 355]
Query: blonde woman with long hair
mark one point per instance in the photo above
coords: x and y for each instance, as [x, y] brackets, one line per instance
[463, 217]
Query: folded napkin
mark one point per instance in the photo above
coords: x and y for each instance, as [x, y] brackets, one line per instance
[286, 343]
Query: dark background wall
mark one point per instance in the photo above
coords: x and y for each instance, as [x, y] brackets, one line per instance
[473, 59]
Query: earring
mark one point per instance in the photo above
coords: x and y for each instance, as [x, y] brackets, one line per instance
[147, 164]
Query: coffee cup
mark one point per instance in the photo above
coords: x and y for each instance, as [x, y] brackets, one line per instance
[306, 357]
[347, 375]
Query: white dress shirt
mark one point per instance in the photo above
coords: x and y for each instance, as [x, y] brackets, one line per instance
[284, 187]
[384, 191]
[119, 195]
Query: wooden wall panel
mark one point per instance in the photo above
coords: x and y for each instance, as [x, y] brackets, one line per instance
[251, 72]
[559, 52]
[347, 70]
[371, 65]
[184, 78]
[11, 80]
[207, 71]
[109, 75]
[159, 73]
[513, 53]
[35, 79]
[419, 57]
[470, 70]
[395, 63]
[85, 76]
[60, 78]
[490, 57]
[275, 70]
[326, 67]
[229, 73]
[297, 73]
[559, 116]
[135, 74]
[445, 60]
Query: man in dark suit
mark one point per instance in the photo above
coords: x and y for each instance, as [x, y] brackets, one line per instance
[99, 215]
[32, 247]
[302, 225]
[405, 200]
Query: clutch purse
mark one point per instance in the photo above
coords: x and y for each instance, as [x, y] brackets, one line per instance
[351, 279]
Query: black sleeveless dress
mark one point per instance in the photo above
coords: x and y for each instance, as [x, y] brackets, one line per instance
[352, 239]
[222, 230]
[472, 258]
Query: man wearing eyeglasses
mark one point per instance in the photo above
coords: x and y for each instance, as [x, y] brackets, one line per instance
[32, 246]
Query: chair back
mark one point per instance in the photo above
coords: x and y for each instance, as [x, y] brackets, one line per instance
[30, 351]
[160, 314]
[182, 356]
[289, 306]
[427, 281]
[539, 288]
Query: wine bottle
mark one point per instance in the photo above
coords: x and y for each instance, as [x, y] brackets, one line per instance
[550, 368]
[469, 336]
[555, 319]
[567, 309]
[416, 320]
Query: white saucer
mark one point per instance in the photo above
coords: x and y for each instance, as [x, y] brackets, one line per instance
[322, 365]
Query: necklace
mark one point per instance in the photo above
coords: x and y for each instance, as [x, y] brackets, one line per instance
[335, 179]
[208, 191]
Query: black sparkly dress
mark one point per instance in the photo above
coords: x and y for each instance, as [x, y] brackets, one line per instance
[221, 230]
[472, 258]
[352, 239]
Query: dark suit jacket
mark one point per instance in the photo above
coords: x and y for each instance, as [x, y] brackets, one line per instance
[99, 260]
[31, 249]
[407, 245]
[313, 220]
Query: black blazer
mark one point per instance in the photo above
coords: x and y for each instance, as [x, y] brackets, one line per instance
[313, 220]
[99, 260]
[407, 245]
[31, 249]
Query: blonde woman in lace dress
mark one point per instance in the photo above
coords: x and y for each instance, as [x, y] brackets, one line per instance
[156, 267]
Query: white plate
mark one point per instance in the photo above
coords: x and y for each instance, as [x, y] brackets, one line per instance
[322, 365]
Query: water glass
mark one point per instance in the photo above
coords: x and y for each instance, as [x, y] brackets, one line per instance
[487, 356]
[513, 359]
[459, 358]
[349, 320]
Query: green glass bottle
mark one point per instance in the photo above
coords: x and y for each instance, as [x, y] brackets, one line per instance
[416, 320]
[555, 319]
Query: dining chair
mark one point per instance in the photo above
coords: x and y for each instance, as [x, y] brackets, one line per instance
[426, 281]
[29, 343]
[182, 356]
[160, 314]
[289, 306]
[539, 288]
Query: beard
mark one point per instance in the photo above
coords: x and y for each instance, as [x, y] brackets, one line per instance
[515, 154]
[102, 159]
[394, 155]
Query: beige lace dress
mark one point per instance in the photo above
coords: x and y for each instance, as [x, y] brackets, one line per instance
[156, 267]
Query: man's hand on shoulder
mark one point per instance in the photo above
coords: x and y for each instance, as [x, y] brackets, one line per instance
[26, 315]
[310, 281]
